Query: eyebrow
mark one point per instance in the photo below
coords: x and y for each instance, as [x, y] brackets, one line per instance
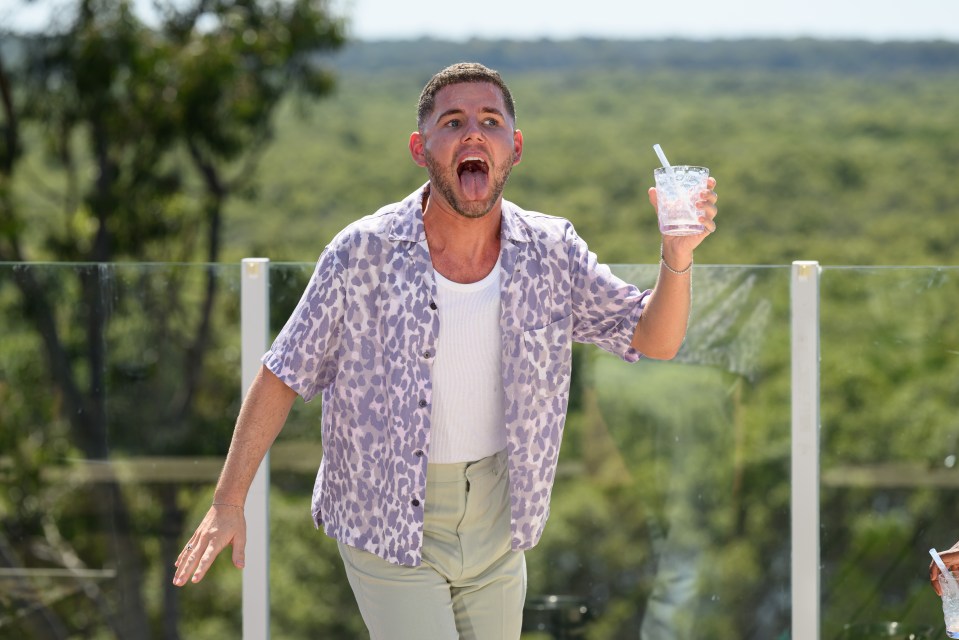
[458, 111]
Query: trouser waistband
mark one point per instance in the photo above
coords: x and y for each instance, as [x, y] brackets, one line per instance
[460, 471]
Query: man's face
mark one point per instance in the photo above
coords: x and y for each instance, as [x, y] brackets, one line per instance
[468, 146]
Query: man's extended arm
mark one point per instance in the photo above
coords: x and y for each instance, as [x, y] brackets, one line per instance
[262, 416]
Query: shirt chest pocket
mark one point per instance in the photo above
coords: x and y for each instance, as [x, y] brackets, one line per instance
[549, 357]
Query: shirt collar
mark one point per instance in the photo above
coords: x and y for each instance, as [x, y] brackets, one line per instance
[510, 227]
[408, 223]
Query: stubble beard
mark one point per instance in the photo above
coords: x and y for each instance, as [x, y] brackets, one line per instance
[440, 181]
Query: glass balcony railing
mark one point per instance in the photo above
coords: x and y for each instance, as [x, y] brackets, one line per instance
[673, 511]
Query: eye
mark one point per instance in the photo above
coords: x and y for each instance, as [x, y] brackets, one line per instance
[491, 122]
[452, 123]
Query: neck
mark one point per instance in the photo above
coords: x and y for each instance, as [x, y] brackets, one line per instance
[450, 232]
[462, 249]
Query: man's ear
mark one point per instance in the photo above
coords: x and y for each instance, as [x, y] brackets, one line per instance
[417, 145]
[517, 146]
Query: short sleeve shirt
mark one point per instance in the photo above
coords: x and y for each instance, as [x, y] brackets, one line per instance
[364, 334]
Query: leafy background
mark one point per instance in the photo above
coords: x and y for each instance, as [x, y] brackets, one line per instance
[674, 477]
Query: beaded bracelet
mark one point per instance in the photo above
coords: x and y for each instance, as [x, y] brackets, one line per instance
[662, 260]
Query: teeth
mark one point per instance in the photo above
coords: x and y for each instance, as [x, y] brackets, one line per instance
[472, 163]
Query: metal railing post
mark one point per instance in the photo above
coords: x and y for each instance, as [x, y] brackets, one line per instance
[254, 323]
[804, 302]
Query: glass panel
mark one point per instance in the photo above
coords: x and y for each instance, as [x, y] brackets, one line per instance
[889, 440]
[119, 385]
[668, 500]
[672, 498]
[671, 513]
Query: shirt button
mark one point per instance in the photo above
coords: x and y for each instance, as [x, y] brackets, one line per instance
[415, 502]
[418, 453]
[423, 403]
[433, 306]
[427, 354]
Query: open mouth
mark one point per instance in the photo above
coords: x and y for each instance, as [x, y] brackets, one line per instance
[474, 178]
[472, 165]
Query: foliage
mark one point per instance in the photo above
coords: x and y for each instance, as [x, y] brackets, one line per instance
[674, 481]
[125, 142]
[812, 161]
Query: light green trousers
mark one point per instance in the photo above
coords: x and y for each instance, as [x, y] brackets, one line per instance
[470, 583]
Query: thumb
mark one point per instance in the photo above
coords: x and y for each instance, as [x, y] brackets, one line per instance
[652, 196]
[239, 550]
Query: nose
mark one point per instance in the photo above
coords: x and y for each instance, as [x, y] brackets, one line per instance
[472, 130]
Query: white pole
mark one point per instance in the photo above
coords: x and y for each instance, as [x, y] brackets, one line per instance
[805, 451]
[254, 323]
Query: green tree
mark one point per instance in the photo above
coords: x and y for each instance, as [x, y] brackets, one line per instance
[146, 133]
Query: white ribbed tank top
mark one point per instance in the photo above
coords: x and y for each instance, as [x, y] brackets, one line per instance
[467, 413]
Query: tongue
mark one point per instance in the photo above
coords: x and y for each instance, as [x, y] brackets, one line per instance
[474, 184]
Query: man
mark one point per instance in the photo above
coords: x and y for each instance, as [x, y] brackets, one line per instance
[439, 332]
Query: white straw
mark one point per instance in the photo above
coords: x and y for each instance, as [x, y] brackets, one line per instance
[662, 158]
[944, 570]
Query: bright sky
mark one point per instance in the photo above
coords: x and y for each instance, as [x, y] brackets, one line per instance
[638, 19]
[628, 19]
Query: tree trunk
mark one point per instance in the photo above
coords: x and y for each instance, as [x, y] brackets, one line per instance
[170, 544]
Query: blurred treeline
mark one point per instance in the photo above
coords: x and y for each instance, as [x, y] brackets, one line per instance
[144, 162]
[841, 152]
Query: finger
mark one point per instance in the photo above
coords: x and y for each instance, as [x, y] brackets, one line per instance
[707, 215]
[206, 561]
[708, 208]
[187, 565]
[711, 182]
[652, 196]
[709, 226]
[239, 550]
[187, 548]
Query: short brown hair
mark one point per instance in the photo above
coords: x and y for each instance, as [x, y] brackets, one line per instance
[459, 73]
